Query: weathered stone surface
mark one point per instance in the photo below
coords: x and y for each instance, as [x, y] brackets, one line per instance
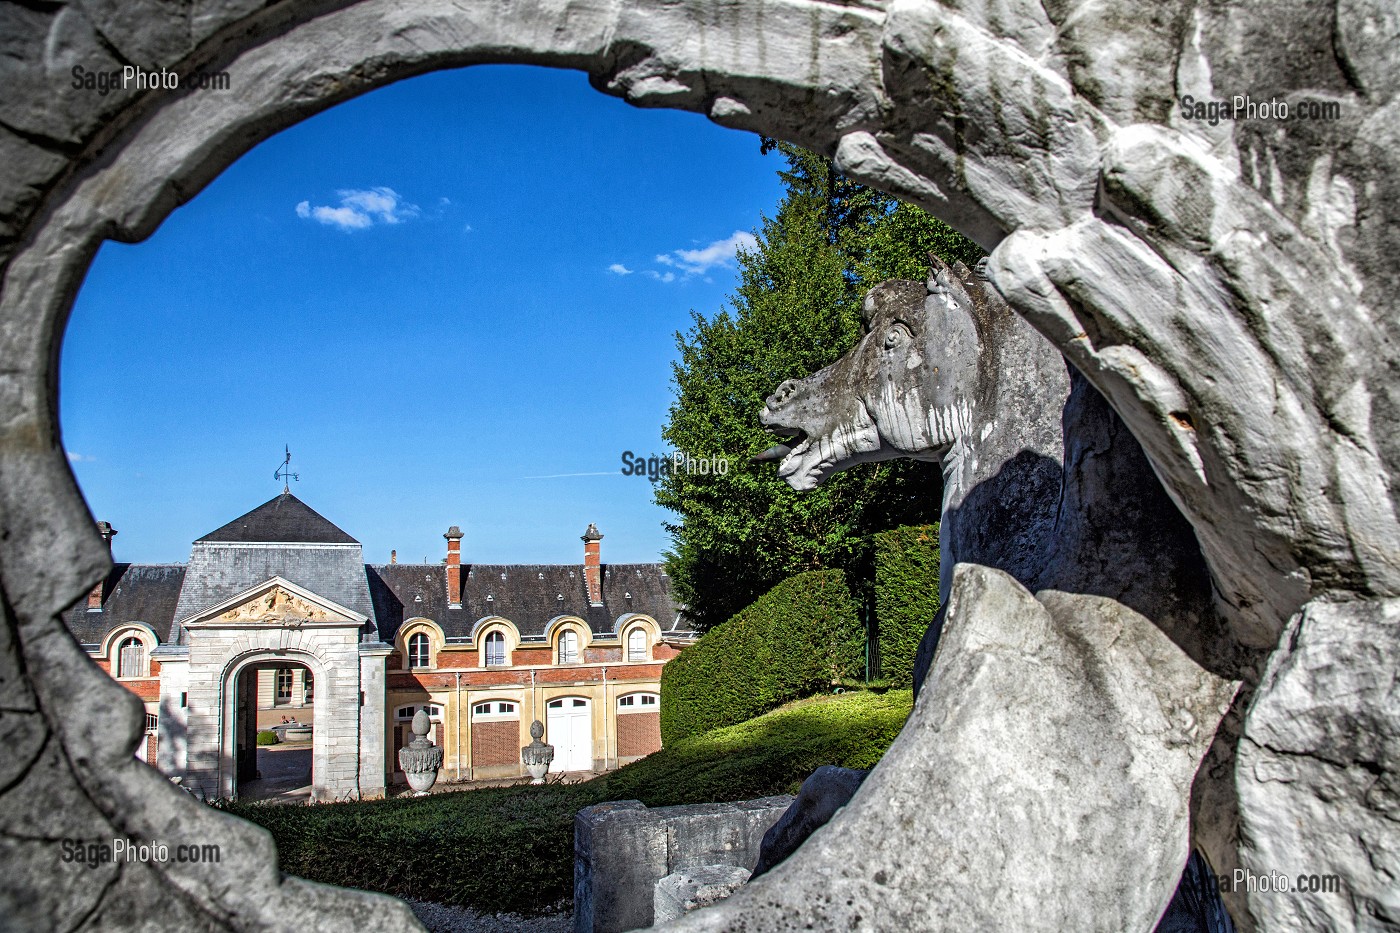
[622, 849]
[1319, 771]
[1229, 289]
[824, 793]
[694, 888]
[1050, 720]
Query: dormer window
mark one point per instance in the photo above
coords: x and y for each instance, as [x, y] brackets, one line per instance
[637, 645]
[541, 576]
[503, 574]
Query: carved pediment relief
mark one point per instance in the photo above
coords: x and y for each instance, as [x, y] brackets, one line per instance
[277, 605]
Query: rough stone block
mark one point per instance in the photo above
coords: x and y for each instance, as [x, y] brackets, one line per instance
[693, 888]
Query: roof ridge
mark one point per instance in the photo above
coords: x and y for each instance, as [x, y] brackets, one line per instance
[283, 519]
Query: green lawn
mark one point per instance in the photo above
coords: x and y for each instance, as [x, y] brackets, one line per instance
[511, 848]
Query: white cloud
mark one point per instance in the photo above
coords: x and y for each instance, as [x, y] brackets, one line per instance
[660, 276]
[79, 458]
[719, 253]
[618, 268]
[360, 209]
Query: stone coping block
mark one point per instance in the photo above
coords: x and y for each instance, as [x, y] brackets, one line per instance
[622, 849]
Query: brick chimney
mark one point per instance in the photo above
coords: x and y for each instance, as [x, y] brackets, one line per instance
[95, 596]
[454, 567]
[592, 564]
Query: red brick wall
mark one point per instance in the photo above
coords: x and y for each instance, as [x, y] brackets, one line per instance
[151, 749]
[496, 743]
[664, 652]
[602, 655]
[532, 656]
[457, 658]
[638, 734]
[145, 689]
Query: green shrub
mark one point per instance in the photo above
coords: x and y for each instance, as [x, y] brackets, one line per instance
[794, 641]
[267, 737]
[906, 597]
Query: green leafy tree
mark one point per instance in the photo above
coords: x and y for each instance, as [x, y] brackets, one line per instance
[796, 309]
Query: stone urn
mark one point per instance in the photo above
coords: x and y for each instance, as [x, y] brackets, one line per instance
[420, 759]
[537, 755]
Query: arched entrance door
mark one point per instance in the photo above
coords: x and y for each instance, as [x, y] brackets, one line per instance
[569, 728]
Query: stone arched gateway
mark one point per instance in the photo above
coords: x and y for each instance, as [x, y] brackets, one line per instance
[230, 696]
[330, 779]
[1228, 286]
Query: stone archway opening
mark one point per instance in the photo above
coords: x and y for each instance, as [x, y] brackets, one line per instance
[274, 699]
[290, 694]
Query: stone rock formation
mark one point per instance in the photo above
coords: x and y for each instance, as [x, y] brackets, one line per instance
[1227, 287]
[824, 793]
[1089, 541]
[1049, 721]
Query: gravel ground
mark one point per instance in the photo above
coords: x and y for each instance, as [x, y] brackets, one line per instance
[440, 918]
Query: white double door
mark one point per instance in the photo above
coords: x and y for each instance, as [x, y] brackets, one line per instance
[569, 721]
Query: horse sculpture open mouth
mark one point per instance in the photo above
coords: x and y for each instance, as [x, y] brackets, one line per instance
[796, 436]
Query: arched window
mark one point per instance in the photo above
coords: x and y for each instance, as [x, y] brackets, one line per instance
[151, 722]
[131, 658]
[637, 645]
[495, 709]
[639, 703]
[495, 649]
[405, 713]
[418, 649]
[568, 647]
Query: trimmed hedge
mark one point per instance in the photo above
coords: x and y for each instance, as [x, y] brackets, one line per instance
[267, 737]
[793, 641]
[906, 596]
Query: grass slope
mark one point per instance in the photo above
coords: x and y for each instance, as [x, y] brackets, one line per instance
[511, 848]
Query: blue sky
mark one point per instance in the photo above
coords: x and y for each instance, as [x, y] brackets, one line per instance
[447, 296]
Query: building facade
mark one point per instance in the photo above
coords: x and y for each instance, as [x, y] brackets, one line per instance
[276, 617]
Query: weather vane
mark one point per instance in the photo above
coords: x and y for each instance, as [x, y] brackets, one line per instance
[284, 472]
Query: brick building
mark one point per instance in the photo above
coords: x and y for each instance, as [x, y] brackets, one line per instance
[276, 615]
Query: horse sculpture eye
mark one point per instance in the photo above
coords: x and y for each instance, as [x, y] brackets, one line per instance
[894, 337]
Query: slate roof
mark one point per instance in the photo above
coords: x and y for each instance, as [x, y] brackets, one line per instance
[528, 596]
[131, 593]
[217, 572]
[283, 519]
[287, 538]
